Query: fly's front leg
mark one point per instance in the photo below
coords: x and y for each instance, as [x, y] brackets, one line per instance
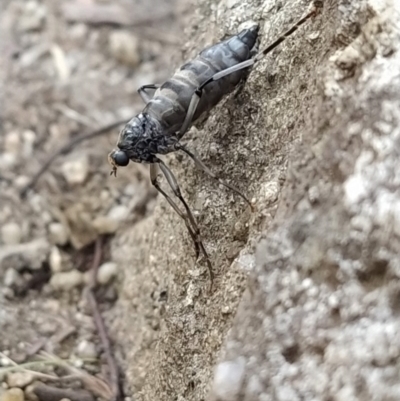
[189, 220]
[154, 181]
[144, 95]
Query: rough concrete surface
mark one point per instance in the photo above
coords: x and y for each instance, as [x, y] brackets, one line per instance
[319, 319]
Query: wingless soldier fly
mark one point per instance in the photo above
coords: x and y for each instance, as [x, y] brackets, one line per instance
[194, 89]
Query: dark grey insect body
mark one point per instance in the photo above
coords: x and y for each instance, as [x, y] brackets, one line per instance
[193, 90]
[158, 128]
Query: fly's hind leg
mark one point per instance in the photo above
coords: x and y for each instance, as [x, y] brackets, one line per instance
[188, 218]
[201, 166]
[194, 102]
[144, 95]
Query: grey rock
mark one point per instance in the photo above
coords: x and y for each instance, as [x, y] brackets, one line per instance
[124, 47]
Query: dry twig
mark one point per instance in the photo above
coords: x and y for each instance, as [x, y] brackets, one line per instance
[100, 325]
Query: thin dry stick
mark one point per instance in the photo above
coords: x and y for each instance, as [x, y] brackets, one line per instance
[65, 149]
[100, 325]
[97, 386]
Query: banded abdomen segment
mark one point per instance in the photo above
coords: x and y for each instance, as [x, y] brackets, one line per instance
[171, 100]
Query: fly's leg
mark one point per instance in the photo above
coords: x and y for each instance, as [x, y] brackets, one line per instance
[200, 165]
[154, 181]
[189, 220]
[144, 95]
[173, 183]
[313, 11]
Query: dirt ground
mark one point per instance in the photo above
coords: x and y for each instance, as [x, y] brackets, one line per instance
[68, 68]
[322, 264]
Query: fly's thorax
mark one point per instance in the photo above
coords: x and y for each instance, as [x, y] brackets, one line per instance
[143, 137]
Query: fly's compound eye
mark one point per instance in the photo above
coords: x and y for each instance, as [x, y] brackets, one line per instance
[120, 158]
[117, 158]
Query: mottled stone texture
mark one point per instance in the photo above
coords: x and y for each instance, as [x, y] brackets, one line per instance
[314, 137]
[320, 320]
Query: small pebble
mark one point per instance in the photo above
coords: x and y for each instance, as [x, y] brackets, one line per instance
[11, 278]
[29, 138]
[11, 234]
[228, 380]
[226, 310]
[30, 393]
[105, 225]
[8, 160]
[86, 350]
[19, 379]
[32, 254]
[234, 250]
[124, 47]
[55, 260]
[33, 16]
[58, 234]
[118, 213]
[247, 262]
[21, 181]
[66, 280]
[13, 394]
[107, 271]
[12, 142]
[76, 171]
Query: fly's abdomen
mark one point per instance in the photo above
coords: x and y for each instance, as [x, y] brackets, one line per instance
[171, 100]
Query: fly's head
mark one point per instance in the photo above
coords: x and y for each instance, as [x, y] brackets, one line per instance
[137, 142]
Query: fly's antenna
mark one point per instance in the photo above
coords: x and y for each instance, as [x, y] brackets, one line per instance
[314, 9]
